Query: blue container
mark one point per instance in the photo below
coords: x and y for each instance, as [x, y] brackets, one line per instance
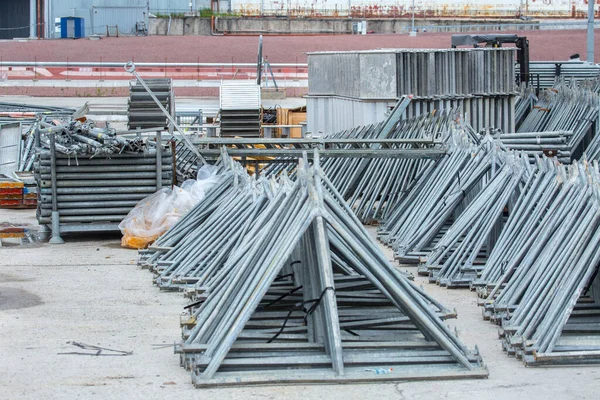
[72, 27]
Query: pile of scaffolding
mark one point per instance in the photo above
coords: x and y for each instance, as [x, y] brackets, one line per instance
[75, 138]
[524, 235]
[562, 122]
[374, 186]
[299, 292]
[89, 178]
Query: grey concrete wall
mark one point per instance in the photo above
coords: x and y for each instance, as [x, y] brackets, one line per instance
[266, 25]
[179, 26]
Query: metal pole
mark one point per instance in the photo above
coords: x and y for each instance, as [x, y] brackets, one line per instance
[590, 32]
[55, 239]
[130, 67]
[412, 31]
[158, 160]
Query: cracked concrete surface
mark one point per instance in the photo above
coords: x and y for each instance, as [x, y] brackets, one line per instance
[91, 291]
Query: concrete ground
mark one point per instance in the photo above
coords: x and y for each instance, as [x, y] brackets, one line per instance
[550, 45]
[90, 290]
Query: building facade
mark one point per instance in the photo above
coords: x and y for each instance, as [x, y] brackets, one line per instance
[41, 18]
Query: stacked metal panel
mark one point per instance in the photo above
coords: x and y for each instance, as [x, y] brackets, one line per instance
[479, 81]
[481, 71]
[546, 73]
[142, 110]
[455, 260]
[372, 187]
[240, 108]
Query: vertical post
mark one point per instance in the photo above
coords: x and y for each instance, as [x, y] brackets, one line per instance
[267, 133]
[147, 16]
[55, 239]
[174, 161]
[32, 18]
[413, 19]
[590, 31]
[158, 160]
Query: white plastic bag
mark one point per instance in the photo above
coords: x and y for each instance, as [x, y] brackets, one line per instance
[155, 214]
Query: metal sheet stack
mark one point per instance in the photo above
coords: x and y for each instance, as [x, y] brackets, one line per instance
[95, 177]
[546, 73]
[142, 111]
[479, 81]
[300, 294]
[240, 108]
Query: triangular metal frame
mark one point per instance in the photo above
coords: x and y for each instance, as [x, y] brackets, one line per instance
[306, 219]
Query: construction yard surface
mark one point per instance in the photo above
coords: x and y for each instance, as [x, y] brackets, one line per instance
[555, 45]
[91, 291]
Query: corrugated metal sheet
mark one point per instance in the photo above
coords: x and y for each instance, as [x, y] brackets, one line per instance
[427, 8]
[14, 19]
[240, 95]
[330, 114]
[10, 148]
[123, 17]
[98, 14]
[391, 73]
[338, 74]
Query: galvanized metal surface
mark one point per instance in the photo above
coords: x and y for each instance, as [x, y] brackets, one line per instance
[525, 237]
[239, 95]
[89, 178]
[562, 122]
[347, 89]
[546, 302]
[322, 258]
[545, 73]
[418, 72]
[328, 114]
